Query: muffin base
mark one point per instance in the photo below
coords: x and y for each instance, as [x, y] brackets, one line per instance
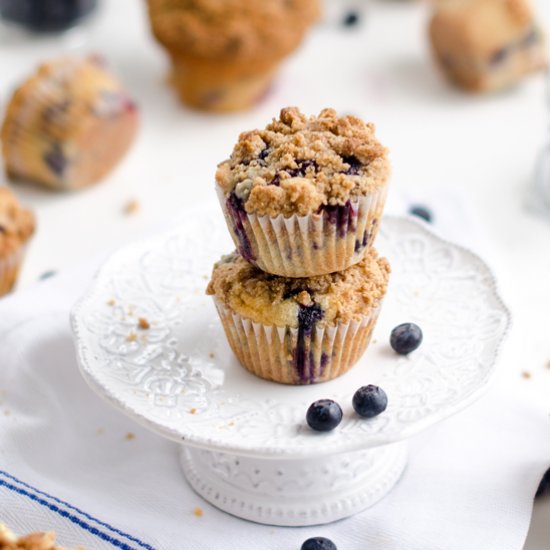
[295, 356]
[218, 86]
[306, 246]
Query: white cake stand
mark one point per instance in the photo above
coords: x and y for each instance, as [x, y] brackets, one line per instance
[245, 445]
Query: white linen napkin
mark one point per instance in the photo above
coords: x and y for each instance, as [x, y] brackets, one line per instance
[71, 463]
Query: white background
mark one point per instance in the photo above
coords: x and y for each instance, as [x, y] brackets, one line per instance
[481, 147]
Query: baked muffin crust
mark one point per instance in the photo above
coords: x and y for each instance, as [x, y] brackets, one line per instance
[280, 301]
[34, 541]
[232, 29]
[297, 165]
[17, 224]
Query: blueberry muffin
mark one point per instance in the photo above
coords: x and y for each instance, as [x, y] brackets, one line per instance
[224, 54]
[68, 125]
[304, 197]
[484, 45]
[17, 226]
[34, 541]
[298, 331]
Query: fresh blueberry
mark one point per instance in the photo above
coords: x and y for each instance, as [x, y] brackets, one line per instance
[406, 338]
[351, 19]
[324, 415]
[318, 543]
[369, 401]
[47, 275]
[544, 486]
[421, 212]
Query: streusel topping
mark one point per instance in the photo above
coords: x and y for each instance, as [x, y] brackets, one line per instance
[232, 29]
[34, 541]
[17, 224]
[273, 300]
[299, 164]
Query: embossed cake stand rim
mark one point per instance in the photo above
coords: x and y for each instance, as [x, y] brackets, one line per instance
[337, 444]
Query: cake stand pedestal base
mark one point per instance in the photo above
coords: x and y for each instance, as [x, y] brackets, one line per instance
[300, 492]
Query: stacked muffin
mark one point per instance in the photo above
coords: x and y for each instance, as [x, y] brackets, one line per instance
[303, 201]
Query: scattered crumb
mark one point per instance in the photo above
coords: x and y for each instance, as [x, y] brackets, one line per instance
[193, 410]
[100, 431]
[548, 365]
[416, 293]
[205, 277]
[375, 341]
[130, 436]
[211, 355]
[231, 423]
[526, 374]
[111, 302]
[143, 323]
[7, 412]
[131, 311]
[132, 337]
[131, 207]
[198, 512]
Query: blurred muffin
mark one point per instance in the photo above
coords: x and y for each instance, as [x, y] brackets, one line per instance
[224, 54]
[484, 45]
[16, 228]
[298, 331]
[305, 196]
[34, 541]
[68, 125]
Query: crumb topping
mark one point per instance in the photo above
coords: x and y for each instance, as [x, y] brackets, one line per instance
[34, 541]
[232, 29]
[298, 164]
[273, 300]
[17, 224]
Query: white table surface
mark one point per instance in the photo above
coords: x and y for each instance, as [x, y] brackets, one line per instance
[484, 147]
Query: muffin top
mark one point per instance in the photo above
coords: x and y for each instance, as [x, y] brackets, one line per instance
[17, 224]
[60, 93]
[232, 29]
[298, 164]
[281, 301]
[484, 27]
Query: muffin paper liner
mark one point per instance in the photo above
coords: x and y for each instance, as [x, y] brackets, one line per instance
[10, 265]
[211, 86]
[305, 246]
[297, 356]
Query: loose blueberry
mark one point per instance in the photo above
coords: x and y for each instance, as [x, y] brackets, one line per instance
[369, 401]
[406, 338]
[324, 415]
[47, 275]
[544, 486]
[318, 543]
[421, 212]
[351, 19]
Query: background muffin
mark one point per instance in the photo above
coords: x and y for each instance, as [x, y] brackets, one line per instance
[487, 44]
[17, 225]
[68, 125]
[305, 196]
[298, 331]
[224, 54]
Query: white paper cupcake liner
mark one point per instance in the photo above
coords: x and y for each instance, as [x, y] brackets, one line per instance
[296, 356]
[305, 246]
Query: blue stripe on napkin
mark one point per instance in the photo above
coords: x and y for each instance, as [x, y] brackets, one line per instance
[96, 527]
